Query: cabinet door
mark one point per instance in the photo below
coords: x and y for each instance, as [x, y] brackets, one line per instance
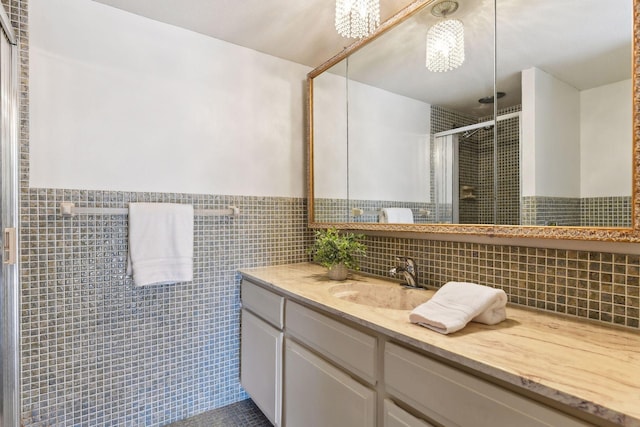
[317, 394]
[396, 417]
[261, 365]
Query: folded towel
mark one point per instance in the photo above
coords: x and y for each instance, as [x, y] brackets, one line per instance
[396, 215]
[160, 243]
[457, 303]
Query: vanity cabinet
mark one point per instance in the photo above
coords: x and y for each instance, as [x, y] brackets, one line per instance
[304, 366]
[261, 349]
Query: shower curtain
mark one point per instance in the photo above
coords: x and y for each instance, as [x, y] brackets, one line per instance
[445, 179]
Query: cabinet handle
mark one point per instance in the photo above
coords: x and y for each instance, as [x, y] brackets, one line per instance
[9, 246]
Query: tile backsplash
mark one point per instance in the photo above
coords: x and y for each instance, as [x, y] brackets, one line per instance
[592, 285]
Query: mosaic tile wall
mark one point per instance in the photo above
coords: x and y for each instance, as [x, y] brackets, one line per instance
[469, 209]
[585, 212]
[476, 166]
[605, 212]
[508, 198]
[98, 351]
[443, 119]
[539, 210]
[339, 210]
[593, 285]
[331, 210]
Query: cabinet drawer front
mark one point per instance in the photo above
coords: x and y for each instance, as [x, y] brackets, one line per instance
[454, 398]
[396, 417]
[347, 347]
[262, 302]
[317, 394]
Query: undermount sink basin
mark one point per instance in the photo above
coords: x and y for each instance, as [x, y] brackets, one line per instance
[390, 296]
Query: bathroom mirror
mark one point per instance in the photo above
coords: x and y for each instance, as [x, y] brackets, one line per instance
[387, 132]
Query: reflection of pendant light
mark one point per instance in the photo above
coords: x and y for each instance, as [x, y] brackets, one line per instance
[445, 40]
[357, 18]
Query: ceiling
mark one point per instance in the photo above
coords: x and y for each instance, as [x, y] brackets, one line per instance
[301, 31]
[581, 42]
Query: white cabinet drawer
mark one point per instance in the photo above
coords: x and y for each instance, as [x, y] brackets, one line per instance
[262, 302]
[397, 417]
[317, 394]
[454, 398]
[349, 348]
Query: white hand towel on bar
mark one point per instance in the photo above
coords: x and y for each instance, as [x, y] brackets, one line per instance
[457, 303]
[396, 215]
[160, 243]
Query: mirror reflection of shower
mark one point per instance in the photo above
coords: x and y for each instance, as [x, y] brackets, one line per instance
[462, 162]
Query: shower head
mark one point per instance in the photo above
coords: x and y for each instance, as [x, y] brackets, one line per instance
[490, 99]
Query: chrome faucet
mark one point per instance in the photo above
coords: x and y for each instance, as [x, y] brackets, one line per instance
[407, 269]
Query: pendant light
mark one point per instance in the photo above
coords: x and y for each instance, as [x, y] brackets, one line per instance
[357, 18]
[445, 40]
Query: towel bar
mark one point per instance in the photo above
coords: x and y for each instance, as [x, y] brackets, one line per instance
[360, 212]
[69, 209]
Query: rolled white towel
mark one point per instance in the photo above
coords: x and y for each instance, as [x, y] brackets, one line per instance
[457, 303]
[396, 215]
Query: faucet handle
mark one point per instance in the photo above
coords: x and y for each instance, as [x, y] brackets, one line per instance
[411, 265]
[406, 263]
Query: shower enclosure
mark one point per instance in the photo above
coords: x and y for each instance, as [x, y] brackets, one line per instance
[472, 183]
[9, 289]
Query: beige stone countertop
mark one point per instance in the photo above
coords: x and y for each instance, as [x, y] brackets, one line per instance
[588, 366]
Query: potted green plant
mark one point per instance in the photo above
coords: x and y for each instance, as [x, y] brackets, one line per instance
[338, 251]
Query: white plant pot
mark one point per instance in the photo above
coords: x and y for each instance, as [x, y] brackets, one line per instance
[338, 272]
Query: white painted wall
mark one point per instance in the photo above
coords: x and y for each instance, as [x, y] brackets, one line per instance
[388, 143]
[550, 136]
[575, 144]
[388, 146]
[606, 136]
[330, 137]
[121, 102]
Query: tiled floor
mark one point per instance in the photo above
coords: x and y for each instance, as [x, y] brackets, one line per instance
[240, 414]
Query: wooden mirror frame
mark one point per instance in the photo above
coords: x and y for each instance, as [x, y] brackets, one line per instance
[630, 235]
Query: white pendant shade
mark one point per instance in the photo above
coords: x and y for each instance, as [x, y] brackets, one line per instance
[357, 18]
[445, 46]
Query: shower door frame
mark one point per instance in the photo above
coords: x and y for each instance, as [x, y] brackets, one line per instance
[9, 225]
